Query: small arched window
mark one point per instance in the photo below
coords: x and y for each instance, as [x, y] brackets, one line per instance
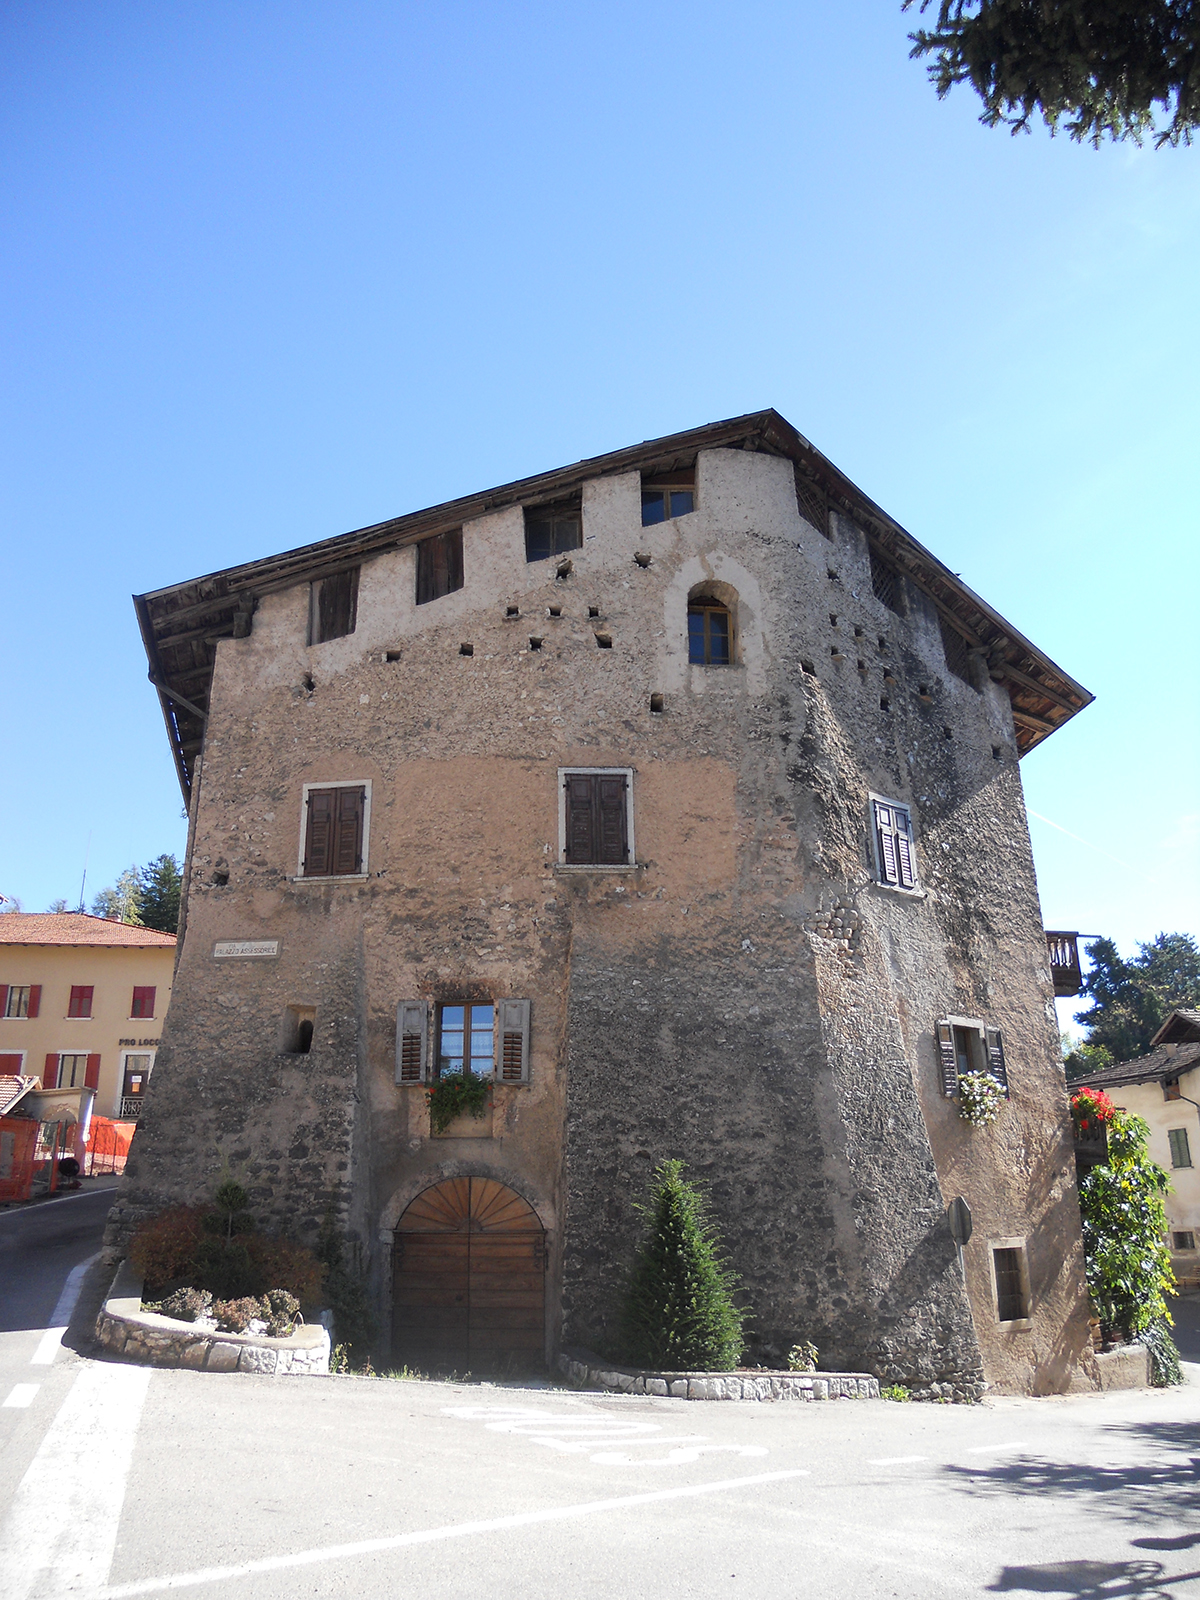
[710, 632]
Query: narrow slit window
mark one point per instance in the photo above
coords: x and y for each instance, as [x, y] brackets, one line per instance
[1012, 1303]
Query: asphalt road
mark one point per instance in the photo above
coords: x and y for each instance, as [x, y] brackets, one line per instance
[121, 1482]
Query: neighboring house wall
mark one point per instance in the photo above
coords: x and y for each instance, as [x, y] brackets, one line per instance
[745, 996]
[108, 1038]
[1165, 1116]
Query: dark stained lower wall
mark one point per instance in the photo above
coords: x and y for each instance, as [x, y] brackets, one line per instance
[815, 1158]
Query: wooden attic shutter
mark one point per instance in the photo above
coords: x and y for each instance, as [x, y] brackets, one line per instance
[947, 1058]
[512, 1041]
[412, 1031]
[995, 1055]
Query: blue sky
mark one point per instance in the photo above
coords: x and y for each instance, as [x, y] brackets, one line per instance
[273, 271]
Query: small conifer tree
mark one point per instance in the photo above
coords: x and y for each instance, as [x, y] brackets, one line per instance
[679, 1313]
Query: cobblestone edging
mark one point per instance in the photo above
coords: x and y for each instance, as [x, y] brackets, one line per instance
[137, 1335]
[583, 1370]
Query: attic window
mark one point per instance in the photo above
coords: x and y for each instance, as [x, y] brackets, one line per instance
[668, 494]
[885, 581]
[332, 606]
[956, 651]
[553, 530]
[439, 565]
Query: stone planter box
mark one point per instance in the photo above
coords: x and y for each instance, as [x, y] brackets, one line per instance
[137, 1335]
[583, 1370]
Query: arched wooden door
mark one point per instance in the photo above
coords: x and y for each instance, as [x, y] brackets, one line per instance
[469, 1279]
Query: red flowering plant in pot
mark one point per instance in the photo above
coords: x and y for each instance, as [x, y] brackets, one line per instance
[1092, 1111]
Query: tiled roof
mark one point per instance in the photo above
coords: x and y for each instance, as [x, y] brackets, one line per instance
[12, 1090]
[1168, 1061]
[77, 927]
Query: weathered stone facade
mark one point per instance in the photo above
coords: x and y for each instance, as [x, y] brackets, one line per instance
[747, 996]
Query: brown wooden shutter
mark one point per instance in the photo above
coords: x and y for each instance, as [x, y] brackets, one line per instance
[91, 1078]
[995, 1055]
[3, 999]
[412, 1029]
[318, 839]
[335, 603]
[948, 1058]
[612, 833]
[143, 1001]
[50, 1074]
[581, 840]
[439, 565]
[512, 1041]
[35, 1000]
[350, 805]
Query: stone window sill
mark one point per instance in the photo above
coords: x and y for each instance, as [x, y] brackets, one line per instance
[589, 866]
[338, 877]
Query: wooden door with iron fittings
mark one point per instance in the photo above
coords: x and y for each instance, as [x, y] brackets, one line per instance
[469, 1280]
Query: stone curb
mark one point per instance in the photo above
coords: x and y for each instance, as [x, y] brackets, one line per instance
[582, 1370]
[137, 1335]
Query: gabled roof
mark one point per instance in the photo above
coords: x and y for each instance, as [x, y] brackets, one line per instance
[1181, 1027]
[12, 1090]
[1168, 1061]
[182, 625]
[77, 928]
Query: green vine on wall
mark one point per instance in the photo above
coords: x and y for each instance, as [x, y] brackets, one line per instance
[454, 1095]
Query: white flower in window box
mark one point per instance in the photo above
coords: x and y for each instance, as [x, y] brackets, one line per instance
[980, 1096]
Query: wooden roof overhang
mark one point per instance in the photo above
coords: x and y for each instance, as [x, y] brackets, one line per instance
[182, 625]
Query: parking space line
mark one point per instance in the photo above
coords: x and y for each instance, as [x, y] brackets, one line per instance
[21, 1394]
[460, 1530]
[51, 1341]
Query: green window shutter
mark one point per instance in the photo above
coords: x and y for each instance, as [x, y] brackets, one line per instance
[512, 1041]
[1181, 1153]
[947, 1059]
[412, 1032]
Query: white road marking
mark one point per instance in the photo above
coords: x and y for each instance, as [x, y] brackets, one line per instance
[60, 1317]
[460, 1530]
[61, 1529]
[983, 1449]
[618, 1458]
[896, 1461]
[578, 1432]
[21, 1394]
[59, 1200]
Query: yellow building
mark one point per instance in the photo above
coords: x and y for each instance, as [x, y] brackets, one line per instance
[81, 1006]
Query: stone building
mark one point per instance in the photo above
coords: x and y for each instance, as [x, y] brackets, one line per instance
[677, 792]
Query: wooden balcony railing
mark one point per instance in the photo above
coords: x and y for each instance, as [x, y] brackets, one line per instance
[1063, 949]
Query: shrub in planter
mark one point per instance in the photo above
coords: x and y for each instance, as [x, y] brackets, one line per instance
[453, 1095]
[185, 1305]
[235, 1316]
[286, 1266]
[679, 1313]
[279, 1310]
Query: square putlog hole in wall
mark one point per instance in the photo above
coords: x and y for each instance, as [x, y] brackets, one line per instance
[392, 655]
[657, 703]
[535, 644]
[604, 640]
[466, 649]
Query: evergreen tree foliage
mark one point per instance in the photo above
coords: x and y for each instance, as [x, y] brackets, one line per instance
[121, 902]
[161, 885]
[1124, 1226]
[1096, 68]
[679, 1313]
[1132, 999]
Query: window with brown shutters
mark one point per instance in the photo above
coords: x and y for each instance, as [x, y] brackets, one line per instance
[143, 1000]
[512, 1041]
[895, 854]
[80, 1003]
[334, 831]
[439, 566]
[964, 1046]
[20, 1000]
[412, 1033]
[332, 606]
[596, 818]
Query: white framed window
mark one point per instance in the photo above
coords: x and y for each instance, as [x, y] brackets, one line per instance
[1010, 1282]
[892, 843]
[595, 817]
[335, 830]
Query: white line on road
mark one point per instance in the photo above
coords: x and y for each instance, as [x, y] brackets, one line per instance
[342, 1552]
[60, 1317]
[983, 1449]
[59, 1200]
[896, 1461]
[22, 1394]
[61, 1529]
